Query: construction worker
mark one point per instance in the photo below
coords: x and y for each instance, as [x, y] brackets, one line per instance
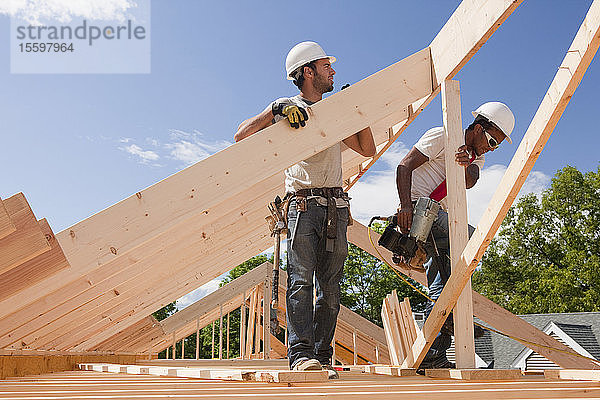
[422, 173]
[318, 213]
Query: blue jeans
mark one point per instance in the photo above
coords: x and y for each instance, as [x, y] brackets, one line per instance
[438, 272]
[310, 332]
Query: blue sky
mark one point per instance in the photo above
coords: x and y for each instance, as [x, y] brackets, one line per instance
[77, 143]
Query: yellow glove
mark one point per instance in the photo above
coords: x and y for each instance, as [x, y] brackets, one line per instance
[296, 116]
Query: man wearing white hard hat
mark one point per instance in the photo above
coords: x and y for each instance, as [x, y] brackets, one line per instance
[318, 213]
[422, 173]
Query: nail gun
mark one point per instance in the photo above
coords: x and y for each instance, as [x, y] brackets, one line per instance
[409, 248]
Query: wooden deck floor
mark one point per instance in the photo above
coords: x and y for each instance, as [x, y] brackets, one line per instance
[352, 385]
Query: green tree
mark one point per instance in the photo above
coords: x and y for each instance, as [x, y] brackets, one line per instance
[161, 314]
[164, 312]
[546, 257]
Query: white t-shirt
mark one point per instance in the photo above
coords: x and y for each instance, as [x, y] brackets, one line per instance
[323, 169]
[430, 174]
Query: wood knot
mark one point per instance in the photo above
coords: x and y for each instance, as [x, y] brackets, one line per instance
[113, 250]
[203, 235]
[116, 292]
[139, 195]
[48, 237]
[72, 233]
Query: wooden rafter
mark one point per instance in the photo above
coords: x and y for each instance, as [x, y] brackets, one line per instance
[457, 221]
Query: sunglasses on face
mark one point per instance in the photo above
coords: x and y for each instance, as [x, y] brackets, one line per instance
[491, 141]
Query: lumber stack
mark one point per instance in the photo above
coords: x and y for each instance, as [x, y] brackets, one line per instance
[29, 252]
[401, 330]
[23, 238]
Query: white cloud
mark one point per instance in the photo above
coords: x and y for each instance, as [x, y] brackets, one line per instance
[375, 193]
[395, 154]
[480, 195]
[185, 147]
[36, 11]
[144, 155]
[190, 147]
[199, 293]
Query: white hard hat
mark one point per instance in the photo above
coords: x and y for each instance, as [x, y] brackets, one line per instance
[301, 54]
[499, 114]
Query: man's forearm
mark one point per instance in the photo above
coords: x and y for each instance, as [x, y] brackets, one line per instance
[252, 125]
[404, 185]
[362, 142]
[471, 175]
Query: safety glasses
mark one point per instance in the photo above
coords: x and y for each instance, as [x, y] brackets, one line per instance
[491, 141]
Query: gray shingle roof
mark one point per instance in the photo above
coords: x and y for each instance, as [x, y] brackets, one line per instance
[584, 335]
[584, 328]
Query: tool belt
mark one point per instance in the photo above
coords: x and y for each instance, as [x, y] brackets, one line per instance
[322, 192]
[330, 193]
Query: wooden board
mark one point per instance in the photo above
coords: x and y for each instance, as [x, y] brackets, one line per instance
[390, 370]
[33, 364]
[573, 374]
[281, 376]
[454, 137]
[475, 374]
[27, 241]
[351, 385]
[46, 264]
[6, 225]
[559, 94]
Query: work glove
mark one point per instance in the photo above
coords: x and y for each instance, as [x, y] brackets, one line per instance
[297, 116]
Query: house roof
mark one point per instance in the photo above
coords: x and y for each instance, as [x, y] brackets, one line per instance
[583, 327]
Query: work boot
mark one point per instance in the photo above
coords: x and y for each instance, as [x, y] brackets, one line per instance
[307, 364]
[333, 374]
